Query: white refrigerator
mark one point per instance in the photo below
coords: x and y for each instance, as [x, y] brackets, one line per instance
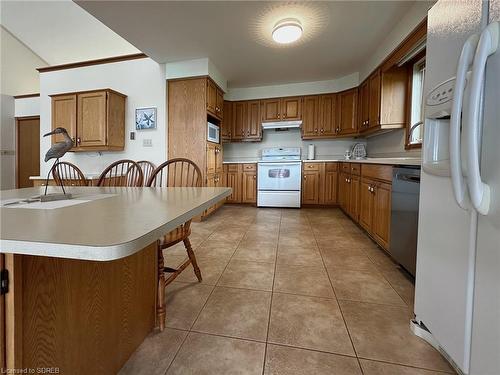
[457, 291]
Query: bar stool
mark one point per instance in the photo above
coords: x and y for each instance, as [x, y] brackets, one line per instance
[178, 172]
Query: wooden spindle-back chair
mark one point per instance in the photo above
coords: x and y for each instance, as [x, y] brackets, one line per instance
[147, 169]
[121, 173]
[174, 173]
[68, 174]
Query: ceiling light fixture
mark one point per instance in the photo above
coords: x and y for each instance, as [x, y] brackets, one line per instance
[287, 31]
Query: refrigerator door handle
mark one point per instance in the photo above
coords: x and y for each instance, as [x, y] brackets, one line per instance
[464, 62]
[479, 191]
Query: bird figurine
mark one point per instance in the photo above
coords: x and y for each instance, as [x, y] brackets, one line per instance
[57, 151]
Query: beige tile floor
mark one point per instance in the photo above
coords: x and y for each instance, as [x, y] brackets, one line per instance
[286, 292]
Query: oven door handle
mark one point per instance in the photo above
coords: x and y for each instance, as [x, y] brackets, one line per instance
[279, 164]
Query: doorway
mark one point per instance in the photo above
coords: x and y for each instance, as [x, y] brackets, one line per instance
[27, 150]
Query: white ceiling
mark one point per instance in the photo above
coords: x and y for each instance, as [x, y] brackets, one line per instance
[235, 35]
[61, 32]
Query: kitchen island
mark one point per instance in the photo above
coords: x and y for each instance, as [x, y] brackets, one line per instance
[83, 273]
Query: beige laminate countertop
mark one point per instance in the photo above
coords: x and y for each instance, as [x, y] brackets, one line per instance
[387, 161]
[120, 222]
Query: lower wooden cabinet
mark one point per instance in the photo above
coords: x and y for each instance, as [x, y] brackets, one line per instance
[319, 183]
[242, 178]
[367, 200]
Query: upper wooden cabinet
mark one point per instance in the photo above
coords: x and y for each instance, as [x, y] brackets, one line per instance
[291, 108]
[281, 109]
[227, 121]
[64, 115]
[310, 117]
[383, 101]
[215, 99]
[244, 121]
[254, 125]
[347, 110]
[94, 119]
[327, 115]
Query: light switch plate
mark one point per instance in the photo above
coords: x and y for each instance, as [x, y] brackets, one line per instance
[132, 136]
[147, 143]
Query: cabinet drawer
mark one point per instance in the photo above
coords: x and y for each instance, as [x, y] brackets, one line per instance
[377, 171]
[355, 169]
[345, 167]
[249, 167]
[312, 166]
[331, 167]
[232, 167]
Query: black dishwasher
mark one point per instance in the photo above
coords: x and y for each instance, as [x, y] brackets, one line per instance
[404, 216]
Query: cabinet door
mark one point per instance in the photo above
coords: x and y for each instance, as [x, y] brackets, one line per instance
[366, 204]
[310, 187]
[64, 116]
[382, 214]
[330, 189]
[249, 187]
[310, 116]
[291, 108]
[354, 203]
[219, 103]
[218, 159]
[254, 124]
[271, 109]
[211, 158]
[374, 102]
[91, 123]
[227, 121]
[239, 120]
[211, 97]
[327, 117]
[348, 104]
[364, 105]
[345, 192]
[233, 180]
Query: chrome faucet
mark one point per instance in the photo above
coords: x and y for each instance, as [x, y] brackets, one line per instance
[412, 129]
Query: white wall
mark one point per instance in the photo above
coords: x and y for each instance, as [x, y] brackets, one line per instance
[7, 143]
[291, 89]
[27, 106]
[290, 138]
[142, 80]
[18, 66]
[195, 68]
[392, 143]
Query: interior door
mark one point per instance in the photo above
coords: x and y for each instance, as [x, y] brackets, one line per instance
[28, 150]
[91, 124]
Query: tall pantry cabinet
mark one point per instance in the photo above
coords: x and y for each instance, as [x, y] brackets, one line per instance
[191, 103]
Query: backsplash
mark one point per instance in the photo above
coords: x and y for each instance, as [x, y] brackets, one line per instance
[391, 144]
[289, 138]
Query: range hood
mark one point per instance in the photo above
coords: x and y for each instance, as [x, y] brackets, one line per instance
[281, 124]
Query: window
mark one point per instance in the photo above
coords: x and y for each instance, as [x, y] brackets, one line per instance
[416, 117]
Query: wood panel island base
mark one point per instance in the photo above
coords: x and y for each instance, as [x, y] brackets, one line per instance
[82, 278]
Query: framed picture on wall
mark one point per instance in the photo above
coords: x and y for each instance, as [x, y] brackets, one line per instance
[145, 118]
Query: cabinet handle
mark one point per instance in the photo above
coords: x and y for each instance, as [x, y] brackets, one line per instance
[254, 177]
[315, 130]
[284, 116]
[78, 140]
[321, 130]
[305, 177]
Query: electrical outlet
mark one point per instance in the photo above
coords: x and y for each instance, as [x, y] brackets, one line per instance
[147, 143]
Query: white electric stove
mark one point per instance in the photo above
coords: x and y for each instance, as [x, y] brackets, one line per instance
[279, 177]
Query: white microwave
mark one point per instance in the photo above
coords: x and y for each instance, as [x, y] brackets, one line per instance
[213, 132]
